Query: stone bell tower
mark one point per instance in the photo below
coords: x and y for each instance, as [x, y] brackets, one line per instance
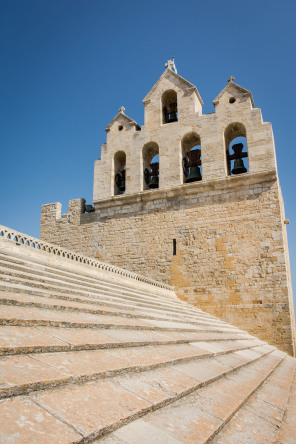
[193, 200]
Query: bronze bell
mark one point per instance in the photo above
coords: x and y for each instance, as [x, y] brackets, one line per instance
[238, 167]
[120, 181]
[172, 117]
[194, 174]
[154, 182]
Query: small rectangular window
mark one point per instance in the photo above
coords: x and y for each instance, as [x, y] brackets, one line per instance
[174, 247]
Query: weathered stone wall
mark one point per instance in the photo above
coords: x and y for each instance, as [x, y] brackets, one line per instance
[73, 230]
[232, 254]
[230, 258]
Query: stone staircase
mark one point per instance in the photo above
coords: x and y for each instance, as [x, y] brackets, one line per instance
[93, 355]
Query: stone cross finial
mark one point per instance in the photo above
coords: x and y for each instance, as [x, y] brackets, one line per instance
[231, 79]
[121, 109]
[170, 64]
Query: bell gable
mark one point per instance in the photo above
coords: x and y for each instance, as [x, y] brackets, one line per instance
[232, 93]
[160, 109]
[122, 122]
[176, 81]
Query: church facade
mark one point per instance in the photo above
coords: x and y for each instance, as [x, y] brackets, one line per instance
[193, 200]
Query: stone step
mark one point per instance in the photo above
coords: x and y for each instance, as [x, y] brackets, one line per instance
[24, 421]
[56, 304]
[286, 432]
[96, 282]
[24, 340]
[38, 316]
[123, 307]
[109, 287]
[26, 315]
[261, 416]
[27, 267]
[110, 304]
[70, 304]
[199, 416]
[16, 288]
[58, 286]
[26, 373]
[130, 397]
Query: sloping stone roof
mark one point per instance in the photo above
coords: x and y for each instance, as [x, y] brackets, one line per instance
[87, 358]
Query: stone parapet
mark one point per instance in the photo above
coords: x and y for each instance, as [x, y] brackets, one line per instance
[11, 239]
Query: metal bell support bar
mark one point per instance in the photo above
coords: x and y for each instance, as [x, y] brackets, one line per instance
[237, 156]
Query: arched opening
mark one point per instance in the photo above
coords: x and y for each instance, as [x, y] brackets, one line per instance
[191, 155]
[119, 172]
[151, 166]
[169, 106]
[236, 149]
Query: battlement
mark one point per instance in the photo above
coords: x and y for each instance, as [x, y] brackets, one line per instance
[53, 212]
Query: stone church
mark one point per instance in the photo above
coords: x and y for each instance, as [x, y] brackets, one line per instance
[93, 352]
[192, 200]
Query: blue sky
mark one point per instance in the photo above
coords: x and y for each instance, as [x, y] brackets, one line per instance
[68, 65]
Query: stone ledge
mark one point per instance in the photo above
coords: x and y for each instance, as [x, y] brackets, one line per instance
[188, 189]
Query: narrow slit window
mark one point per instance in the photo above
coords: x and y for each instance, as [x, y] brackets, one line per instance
[174, 247]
